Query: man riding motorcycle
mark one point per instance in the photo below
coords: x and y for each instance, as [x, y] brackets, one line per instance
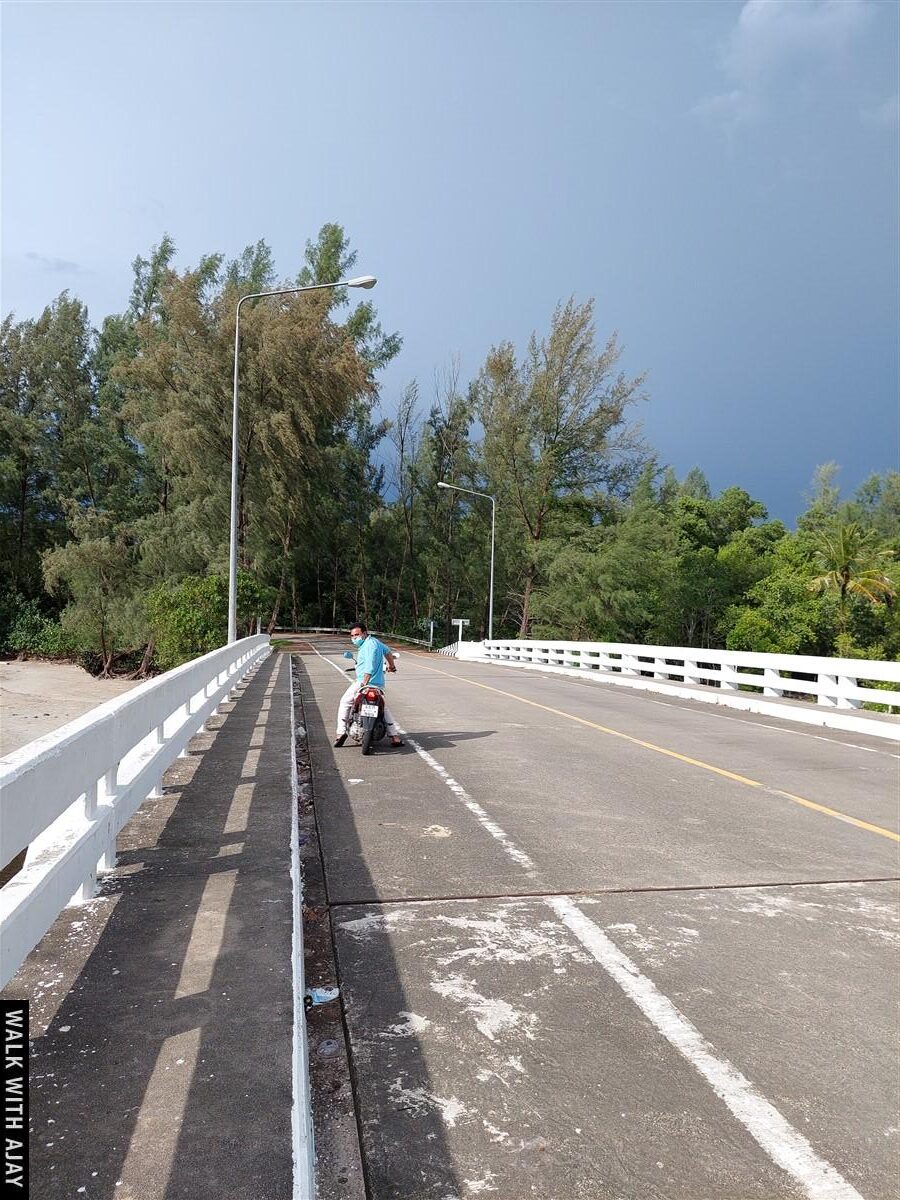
[370, 660]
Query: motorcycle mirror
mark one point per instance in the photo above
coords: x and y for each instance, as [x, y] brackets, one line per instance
[347, 654]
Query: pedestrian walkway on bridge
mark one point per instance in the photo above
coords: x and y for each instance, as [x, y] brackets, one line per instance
[162, 1011]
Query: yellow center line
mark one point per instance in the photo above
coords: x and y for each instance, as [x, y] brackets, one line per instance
[693, 762]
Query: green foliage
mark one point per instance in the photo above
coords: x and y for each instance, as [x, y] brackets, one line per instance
[25, 629]
[115, 449]
[190, 618]
[663, 567]
[780, 614]
[95, 571]
[853, 566]
[554, 427]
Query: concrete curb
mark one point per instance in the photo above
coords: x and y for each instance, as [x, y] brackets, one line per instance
[301, 1108]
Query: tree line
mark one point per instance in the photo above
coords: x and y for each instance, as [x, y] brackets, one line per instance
[115, 447]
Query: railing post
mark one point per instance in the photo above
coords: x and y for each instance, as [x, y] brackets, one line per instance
[729, 678]
[87, 890]
[773, 684]
[90, 802]
[844, 683]
[111, 785]
[88, 887]
[829, 699]
[110, 788]
[690, 676]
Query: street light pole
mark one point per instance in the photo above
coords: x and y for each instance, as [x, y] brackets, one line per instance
[364, 281]
[493, 499]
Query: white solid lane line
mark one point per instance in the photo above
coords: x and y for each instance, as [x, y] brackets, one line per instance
[784, 1145]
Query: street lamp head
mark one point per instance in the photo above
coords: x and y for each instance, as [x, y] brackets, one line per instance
[442, 484]
[364, 281]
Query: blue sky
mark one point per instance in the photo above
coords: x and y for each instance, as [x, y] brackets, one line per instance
[723, 178]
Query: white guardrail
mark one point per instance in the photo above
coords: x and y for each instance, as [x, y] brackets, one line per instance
[65, 796]
[331, 629]
[832, 688]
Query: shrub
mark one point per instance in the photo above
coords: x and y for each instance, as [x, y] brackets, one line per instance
[24, 629]
[191, 618]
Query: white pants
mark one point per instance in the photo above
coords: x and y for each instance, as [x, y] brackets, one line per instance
[345, 705]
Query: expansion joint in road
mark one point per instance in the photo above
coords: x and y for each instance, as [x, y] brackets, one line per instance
[612, 891]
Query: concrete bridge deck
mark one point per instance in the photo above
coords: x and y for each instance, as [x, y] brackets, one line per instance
[589, 944]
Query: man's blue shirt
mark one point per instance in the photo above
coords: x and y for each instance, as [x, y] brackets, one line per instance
[370, 661]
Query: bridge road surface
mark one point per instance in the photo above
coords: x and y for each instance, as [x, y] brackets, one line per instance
[574, 963]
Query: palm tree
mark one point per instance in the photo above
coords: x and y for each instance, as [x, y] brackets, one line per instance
[852, 564]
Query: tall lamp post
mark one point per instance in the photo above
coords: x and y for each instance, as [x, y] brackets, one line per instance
[493, 499]
[364, 281]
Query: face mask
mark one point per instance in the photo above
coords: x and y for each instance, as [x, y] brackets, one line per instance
[357, 641]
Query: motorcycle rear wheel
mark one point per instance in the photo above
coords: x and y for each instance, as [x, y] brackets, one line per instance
[367, 740]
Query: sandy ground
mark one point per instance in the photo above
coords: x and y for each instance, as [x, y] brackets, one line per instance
[36, 697]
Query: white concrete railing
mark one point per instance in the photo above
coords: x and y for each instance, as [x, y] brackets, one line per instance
[831, 690]
[831, 682]
[331, 629]
[65, 796]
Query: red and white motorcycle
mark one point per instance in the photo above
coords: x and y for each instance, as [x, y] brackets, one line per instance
[366, 724]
